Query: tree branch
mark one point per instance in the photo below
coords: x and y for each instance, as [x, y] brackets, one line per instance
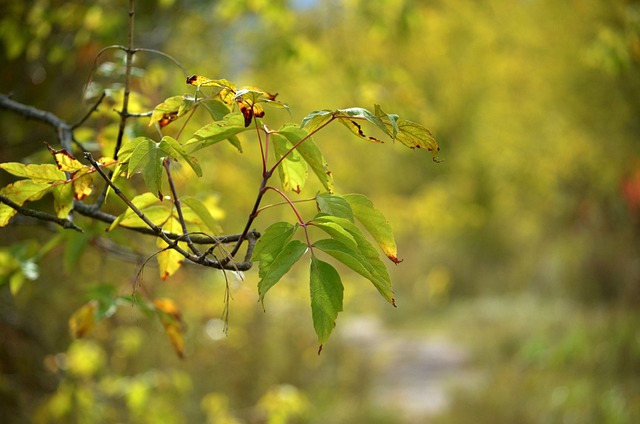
[42, 216]
[64, 130]
[173, 243]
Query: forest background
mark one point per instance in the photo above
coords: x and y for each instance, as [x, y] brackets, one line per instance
[520, 248]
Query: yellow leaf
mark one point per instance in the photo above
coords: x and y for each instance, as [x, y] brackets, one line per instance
[83, 320]
[169, 260]
[172, 322]
[65, 161]
[82, 185]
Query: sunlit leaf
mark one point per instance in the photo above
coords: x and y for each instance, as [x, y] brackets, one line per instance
[310, 153]
[82, 184]
[201, 81]
[333, 204]
[83, 320]
[293, 168]
[231, 125]
[169, 260]
[171, 319]
[38, 173]
[171, 109]
[62, 199]
[375, 223]
[282, 263]
[326, 298]
[65, 161]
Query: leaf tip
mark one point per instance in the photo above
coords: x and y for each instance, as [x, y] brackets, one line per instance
[320, 349]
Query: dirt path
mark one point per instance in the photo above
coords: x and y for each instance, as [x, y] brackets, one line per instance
[414, 374]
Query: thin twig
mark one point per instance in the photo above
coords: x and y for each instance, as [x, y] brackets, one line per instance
[130, 52]
[176, 201]
[89, 112]
[173, 244]
[43, 216]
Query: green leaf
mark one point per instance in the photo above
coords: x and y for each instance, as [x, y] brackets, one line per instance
[381, 279]
[310, 153]
[352, 259]
[375, 223]
[147, 157]
[333, 204]
[326, 298]
[172, 146]
[232, 124]
[275, 237]
[293, 168]
[40, 173]
[63, 199]
[282, 263]
[202, 212]
[316, 119]
[20, 192]
[337, 232]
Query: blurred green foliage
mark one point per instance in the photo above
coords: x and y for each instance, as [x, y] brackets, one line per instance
[521, 246]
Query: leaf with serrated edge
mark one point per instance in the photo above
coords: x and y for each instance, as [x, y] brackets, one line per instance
[293, 169]
[326, 298]
[375, 223]
[282, 263]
